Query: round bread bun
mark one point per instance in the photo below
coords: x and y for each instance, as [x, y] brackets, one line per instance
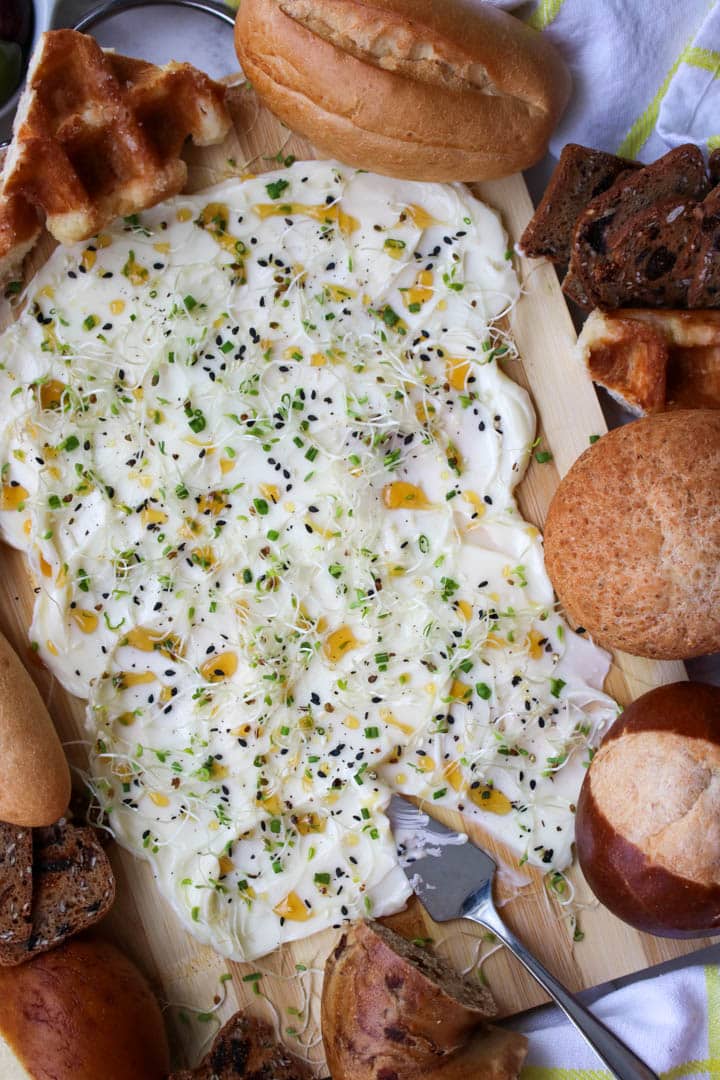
[34, 773]
[81, 1012]
[632, 537]
[648, 817]
[412, 88]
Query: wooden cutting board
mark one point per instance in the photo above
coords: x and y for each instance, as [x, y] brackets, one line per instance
[199, 987]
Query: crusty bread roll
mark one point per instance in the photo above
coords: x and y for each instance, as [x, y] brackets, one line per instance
[392, 1010]
[82, 1012]
[648, 817]
[34, 775]
[423, 89]
[632, 537]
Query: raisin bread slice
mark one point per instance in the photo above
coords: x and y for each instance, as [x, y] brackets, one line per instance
[650, 262]
[612, 217]
[714, 167]
[580, 175]
[246, 1048]
[704, 291]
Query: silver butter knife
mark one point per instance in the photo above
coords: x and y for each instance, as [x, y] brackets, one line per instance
[453, 879]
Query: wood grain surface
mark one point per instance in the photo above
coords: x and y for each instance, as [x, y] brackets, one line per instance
[198, 987]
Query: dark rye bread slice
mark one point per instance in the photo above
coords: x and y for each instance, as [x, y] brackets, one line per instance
[73, 887]
[580, 175]
[246, 1049]
[704, 291]
[16, 858]
[714, 167]
[650, 262]
[596, 251]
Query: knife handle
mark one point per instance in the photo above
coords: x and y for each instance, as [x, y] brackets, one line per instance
[621, 1061]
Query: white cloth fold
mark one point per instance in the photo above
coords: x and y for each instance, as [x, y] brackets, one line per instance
[671, 1021]
[646, 73]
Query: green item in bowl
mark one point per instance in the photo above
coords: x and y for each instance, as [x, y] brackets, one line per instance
[11, 63]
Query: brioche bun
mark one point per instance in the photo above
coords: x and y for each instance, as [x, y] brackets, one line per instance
[632, 537]
[412, 88]
[34, 774]
[81, 1012]
[648, 817]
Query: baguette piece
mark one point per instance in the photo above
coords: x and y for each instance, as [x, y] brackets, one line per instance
[246, 1047]
[580, 175]
[34, 775]
[411, 88]
[393, 1010]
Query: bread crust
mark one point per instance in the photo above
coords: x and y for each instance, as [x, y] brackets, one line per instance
[475, 94]
[34, 774]
[632, 884]
[82, 1012]
[632, 537]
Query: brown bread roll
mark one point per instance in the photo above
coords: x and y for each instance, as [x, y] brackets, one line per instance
[422, 89]
[81, 1012]
[632, 537]
[648, 817]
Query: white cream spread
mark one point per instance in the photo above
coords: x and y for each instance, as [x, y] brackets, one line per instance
[260, 454]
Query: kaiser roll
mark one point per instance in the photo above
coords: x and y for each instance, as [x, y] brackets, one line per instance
[632, 537]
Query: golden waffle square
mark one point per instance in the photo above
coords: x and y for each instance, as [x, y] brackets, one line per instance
[652, 360]
[98, 135]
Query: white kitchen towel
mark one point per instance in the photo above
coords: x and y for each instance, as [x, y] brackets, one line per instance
[671, 1021]
[646, 73]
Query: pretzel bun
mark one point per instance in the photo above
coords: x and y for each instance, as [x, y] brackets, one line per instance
[632, 537]
[81, 1012]
[648, 817]
[422, 89]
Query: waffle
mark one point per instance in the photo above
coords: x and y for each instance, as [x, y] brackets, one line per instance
[98, 135]
[653, 360]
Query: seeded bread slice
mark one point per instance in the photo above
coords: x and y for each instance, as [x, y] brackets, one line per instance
[246, 1048]
[580, 175]
[16, 856]
[609, 218]
[73, 887]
